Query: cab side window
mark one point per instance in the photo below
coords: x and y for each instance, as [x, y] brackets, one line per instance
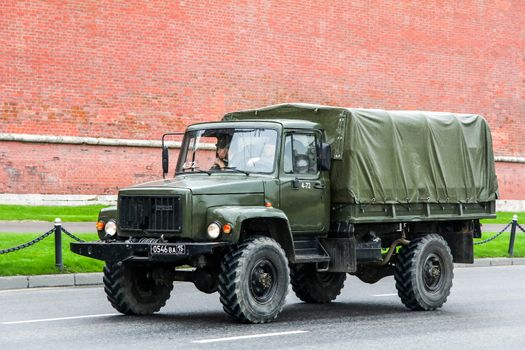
[300, 154]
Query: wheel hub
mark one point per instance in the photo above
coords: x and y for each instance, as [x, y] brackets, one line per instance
[262, 284]
[432, 272]
[265, 279]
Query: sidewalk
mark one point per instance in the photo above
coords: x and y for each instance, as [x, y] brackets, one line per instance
[62, 280]
[95, 279]
[487, 227]
[44, 226]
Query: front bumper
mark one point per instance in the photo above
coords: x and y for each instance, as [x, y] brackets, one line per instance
[124, 251]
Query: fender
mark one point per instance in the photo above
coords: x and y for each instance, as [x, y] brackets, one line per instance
[276, 220]
[104, 215]
[108, 213]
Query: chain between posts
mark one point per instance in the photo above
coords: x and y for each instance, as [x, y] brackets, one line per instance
[514, 225]
[72, 235]
[57, 229]
[495, 236]
[28, 244]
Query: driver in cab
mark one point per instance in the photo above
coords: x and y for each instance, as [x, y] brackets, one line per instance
[221, 156]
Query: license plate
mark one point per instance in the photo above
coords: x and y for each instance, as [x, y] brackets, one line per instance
[163, 249]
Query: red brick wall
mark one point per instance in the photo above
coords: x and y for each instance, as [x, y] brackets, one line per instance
[136, 69]
[73, 169]
[511, 180]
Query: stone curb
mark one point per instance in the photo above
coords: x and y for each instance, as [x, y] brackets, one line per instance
[50, 281]
[493, 262]
[95, 279]
[39, 281]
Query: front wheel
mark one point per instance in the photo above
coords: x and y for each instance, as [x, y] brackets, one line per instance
[424, 273]
[253, 282]
[134, 290]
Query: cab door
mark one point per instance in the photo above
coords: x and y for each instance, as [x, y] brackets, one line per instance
[304, 190]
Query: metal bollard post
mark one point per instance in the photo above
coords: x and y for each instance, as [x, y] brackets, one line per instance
[58, 244]
[513, 235]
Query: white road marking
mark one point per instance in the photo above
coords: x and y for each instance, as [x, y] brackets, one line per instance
[385, 295]
[58, 319]
[247, 337]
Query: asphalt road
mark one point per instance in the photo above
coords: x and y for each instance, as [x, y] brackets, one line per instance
[486, 310]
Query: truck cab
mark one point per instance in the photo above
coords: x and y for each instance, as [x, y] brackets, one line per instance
[283, 158]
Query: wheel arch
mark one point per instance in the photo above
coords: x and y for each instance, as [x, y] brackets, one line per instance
[459, 235]
[251, 221]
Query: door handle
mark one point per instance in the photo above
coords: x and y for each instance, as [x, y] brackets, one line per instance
[319, 185]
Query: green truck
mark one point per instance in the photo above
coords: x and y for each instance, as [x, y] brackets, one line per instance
[302, 194]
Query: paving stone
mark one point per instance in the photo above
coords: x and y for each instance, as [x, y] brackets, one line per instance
[518, 261]
[51, 280]
[86, 279]
[13, 282]
[500, 261]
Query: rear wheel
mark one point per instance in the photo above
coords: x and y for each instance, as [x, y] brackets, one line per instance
[424, 273]
[253, 282]
[134, 290]
[312, 286]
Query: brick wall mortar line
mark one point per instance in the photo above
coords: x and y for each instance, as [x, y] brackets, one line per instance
[96, 141]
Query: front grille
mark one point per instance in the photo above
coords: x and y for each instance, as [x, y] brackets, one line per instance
[162, 214]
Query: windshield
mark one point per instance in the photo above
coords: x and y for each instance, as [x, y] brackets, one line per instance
[249, 150]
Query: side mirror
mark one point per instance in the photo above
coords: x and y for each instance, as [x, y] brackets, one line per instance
[165, 161]
[325, 158]
[165, 153]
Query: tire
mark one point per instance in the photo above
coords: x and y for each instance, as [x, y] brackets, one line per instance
[424, 271]
[132, 290]
[316, 287]
[253, 282]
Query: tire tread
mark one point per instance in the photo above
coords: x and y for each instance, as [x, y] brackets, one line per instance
[118, 293]
[306, 289]
[405, 272]
[229, 280]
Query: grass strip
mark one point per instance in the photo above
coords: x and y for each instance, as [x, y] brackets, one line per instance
[39, 259]
[83, 213]
[500, 246]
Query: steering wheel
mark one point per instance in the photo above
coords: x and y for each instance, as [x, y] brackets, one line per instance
[301, 163]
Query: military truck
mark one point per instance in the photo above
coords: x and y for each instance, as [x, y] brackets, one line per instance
[302, 194]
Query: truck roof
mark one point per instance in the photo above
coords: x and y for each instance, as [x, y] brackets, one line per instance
[285, 123]
[286, 108]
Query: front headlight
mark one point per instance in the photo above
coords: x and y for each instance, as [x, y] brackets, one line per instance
[111, 227]
[214, 230]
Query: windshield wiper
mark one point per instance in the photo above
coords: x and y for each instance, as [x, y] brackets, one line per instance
[209, 172]
[193, 171]
[236, 170]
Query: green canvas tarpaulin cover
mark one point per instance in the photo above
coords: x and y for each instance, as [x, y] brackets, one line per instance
[399, 156]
